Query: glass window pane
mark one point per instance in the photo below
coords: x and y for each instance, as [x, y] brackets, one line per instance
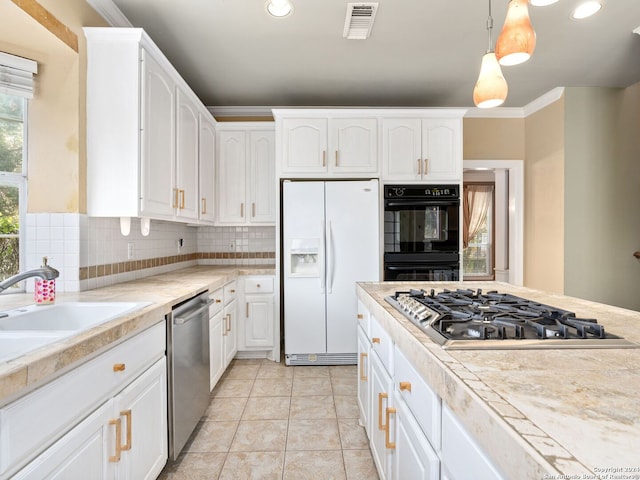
[9, 231]
[11, 133]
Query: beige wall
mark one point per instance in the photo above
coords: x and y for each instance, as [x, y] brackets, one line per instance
[493, 139]
[544, 199]
[56, 150]
[602, 195]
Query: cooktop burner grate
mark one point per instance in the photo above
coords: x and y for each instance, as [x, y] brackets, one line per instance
[473, 319]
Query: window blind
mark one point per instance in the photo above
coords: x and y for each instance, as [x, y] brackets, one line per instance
[16, 75]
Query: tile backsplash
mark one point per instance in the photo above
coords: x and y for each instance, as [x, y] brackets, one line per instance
[91, 252]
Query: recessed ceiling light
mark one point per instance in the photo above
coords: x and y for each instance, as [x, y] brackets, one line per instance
[279, 8]
[586, 9]
[542, 3]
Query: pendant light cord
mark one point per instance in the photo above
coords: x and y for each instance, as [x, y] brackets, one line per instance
[489, 28]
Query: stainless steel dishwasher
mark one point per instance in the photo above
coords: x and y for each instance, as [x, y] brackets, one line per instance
[188, 368]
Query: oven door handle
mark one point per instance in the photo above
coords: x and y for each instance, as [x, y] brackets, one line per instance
[182, 319]
[420, 203]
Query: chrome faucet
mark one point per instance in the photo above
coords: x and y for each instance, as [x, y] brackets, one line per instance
[45, 272]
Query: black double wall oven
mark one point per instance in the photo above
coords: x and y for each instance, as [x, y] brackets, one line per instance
[421, 232]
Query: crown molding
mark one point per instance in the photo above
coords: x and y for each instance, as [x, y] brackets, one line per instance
[543, 101]
[110, 12]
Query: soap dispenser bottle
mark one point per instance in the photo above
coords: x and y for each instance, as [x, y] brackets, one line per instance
[44, 290]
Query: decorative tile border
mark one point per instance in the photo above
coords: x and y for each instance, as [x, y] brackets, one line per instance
[97, 271]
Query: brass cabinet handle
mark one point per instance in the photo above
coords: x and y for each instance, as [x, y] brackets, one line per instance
[247, 309]
[426, 166]
[229, 322]
[337, 159]
[405, 386]
[218, 300]
[118, 424]
[242, 209]
[390, 445]
[127, 414]
[324, 158]
[204, 205]
[119, 367]
[381, 397]
[419, 167]
[363, 376]
[175, 197]
[360, 316]
[375, 340]
[232, 290]
[253, 209]
[181, 199]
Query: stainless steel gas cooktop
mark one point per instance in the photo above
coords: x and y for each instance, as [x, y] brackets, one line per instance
[474, 320]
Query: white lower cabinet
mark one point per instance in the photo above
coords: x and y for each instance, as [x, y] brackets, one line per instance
[256, 314]
[380, 400]
[217, 330]
[229, 334]
[364, 372]
[414, 457]
[123, 433]
[457, 443]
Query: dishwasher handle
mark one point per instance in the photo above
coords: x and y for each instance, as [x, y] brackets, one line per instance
[190, 315]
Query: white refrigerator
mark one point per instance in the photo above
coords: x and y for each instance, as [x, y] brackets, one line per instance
[330, 240]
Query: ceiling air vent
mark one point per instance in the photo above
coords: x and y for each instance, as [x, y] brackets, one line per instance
[359, 20]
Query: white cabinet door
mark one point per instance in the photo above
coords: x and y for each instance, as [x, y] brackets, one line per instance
[304, 145]
[442, 149]
[354, 144]
[230, 332]
[258, 321]
[232, 176]
[261, 177]
[414, 456]
[81, 454]
[401, 149]
[364, 372]
[142, 409]
[207, 157]
[380, 398]
[158, 143]
[217, 335]
[186, 182]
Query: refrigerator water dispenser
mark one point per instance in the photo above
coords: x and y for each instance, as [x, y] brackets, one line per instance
[304, 257]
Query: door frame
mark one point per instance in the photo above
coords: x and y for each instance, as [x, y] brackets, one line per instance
[509, 180]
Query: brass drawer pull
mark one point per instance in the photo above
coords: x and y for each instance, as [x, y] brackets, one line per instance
[118, 424]
[381, 397]
[363, 376]
[127, 415]
[375, 340]
[119, 367]
[405, 386]
[360, 316]
[387, 443]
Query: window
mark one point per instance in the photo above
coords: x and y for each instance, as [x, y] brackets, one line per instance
[16, 86]
[12, 181]
[478, 253]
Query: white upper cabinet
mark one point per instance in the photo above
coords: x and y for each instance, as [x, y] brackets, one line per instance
[143, 130]
[246, 181]
[326, 143]
[422, 149]
[207, 146]
[186, 182]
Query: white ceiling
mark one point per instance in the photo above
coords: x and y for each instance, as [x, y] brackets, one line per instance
[421, 53]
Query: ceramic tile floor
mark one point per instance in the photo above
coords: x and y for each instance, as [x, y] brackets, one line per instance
[269, 421]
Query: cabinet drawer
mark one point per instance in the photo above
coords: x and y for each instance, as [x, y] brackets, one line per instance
[218, 298]
[258, 285]
[230, 291]
[421, 400]
[381, 343]
[35, 421]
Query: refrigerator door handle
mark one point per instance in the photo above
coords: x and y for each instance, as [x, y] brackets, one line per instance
[329, 258]
[323, 278]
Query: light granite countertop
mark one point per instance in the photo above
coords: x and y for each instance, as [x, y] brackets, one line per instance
[551, 413]
[22, 374]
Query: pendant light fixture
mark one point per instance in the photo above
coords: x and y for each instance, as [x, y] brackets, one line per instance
[491, 88]
[518, 39]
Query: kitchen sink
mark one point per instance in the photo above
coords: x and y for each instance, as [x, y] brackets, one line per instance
[72, 316]
[25, 329]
